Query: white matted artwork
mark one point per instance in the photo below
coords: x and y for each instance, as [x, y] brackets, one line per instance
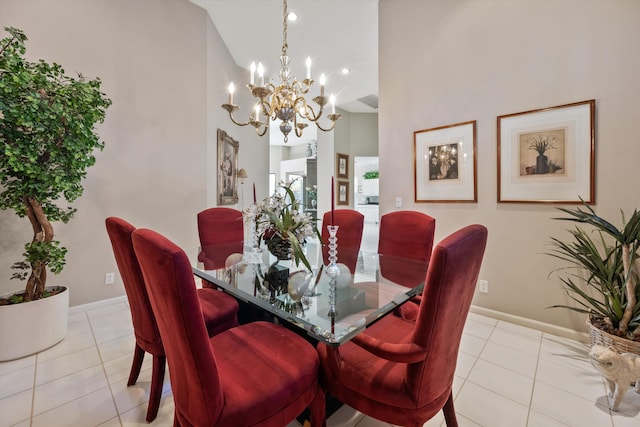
[445, 163]
[547, 155]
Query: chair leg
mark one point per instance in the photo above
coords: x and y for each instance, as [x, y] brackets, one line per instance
[318, 409]
[138, 357]
[450, 412]
[157, 378]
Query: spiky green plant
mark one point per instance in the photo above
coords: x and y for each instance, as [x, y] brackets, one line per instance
[603, 276]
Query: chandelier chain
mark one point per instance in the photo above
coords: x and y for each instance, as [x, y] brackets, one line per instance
[285, 45]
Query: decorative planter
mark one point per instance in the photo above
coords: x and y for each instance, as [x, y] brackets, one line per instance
[279, 248]
[598, 336]
[30, 327]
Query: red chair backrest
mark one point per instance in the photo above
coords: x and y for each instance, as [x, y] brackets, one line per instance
[167, 273]
[405, 234]
[223, 229]
[350, 227]
[144, 322]
[449, 287]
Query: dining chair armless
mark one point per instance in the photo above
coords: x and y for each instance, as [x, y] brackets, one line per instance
[256, 374]
[218, 311]
[406, 235]
[222, 228]
[350, 227]
[401, 372]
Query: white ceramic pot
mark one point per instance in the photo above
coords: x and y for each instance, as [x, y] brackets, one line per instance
[30, 327]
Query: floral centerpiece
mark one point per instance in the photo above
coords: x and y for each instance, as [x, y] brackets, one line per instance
[283, 226]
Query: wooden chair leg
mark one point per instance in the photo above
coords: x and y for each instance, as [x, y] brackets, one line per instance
[157, 378]
[450, 412]
[138, 357]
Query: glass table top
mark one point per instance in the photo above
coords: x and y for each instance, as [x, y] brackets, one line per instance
[368, 287]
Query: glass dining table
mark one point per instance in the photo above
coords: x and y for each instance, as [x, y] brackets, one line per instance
[328, 309]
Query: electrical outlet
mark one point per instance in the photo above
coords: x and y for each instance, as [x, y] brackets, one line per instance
[483, 286]
[398, 202]
[109, 278]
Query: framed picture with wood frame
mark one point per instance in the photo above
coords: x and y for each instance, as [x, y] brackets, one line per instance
[343, 193]
[547, 155]
[227, 169]
[445, 164]
[342, 165]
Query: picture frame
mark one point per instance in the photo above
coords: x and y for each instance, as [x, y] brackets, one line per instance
[445, 164]
[547, 155]
[342, 194]
[227, 169]
[342, 165]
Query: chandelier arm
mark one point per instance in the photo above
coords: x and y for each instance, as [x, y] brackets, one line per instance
[313, 117]
[230, 111]
[333, 123]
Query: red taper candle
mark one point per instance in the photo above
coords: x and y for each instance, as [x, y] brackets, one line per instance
[333, 198]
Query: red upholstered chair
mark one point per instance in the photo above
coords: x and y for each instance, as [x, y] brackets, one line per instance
[219, 311]
[257, 374]
[406, 234]
[350, 226]
[401, 372]
[222, 228]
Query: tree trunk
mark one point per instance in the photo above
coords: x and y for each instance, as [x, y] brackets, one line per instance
[630, 287]
[42, 232]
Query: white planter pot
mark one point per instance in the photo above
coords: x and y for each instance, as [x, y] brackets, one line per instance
[30, 327]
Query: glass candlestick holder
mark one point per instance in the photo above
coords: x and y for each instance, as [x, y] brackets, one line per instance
[332, 269]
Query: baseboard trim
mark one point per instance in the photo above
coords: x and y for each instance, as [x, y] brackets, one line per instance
[533, 324]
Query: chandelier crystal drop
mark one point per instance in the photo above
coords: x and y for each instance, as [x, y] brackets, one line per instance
[285, 101]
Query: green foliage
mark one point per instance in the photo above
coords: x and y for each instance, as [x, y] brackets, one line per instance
[371, 175]
[596, 278]
[48, 140]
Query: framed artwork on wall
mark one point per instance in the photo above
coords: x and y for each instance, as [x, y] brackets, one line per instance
[343, 193]
[227, 169]
[445, 164]
[342, 165]
[547, 155]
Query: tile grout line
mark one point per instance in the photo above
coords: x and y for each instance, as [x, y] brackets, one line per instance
[104, 371]
[535, 375]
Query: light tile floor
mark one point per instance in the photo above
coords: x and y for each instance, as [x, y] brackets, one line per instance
[507, 375]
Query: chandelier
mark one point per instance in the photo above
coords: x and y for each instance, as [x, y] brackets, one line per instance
[285, 101]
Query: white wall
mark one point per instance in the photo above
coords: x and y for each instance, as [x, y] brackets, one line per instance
[446, 62]
[166, 69]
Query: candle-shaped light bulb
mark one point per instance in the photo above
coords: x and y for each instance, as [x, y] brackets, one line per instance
[308, 62]
[332, 100]
[253, 72]
[257, 111]
[261, 73]
[232, 89]
[323, 80]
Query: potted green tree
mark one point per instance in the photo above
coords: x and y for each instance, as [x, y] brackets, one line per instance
[602, 278]
[47, 121]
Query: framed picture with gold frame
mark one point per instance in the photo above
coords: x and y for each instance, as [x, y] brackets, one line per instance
[342, 165]
[445, 164]
[227, 169]
[342, 197]
[547, 155]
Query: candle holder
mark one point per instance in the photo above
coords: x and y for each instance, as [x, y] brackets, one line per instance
[254, 239]
[332, 269]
